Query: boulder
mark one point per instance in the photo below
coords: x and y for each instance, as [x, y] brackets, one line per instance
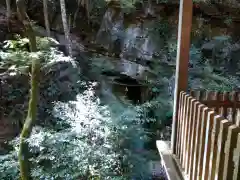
[223, 53]
[212, 48]
[111, 28]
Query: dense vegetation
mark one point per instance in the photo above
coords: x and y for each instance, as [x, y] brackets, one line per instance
[77, 127]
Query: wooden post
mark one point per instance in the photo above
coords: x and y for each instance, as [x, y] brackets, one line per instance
[181, 77]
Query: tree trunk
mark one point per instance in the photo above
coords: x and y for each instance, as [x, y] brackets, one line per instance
[23, 154]
[8, 4]
[76, 13]
[65, 25]
[46, 20]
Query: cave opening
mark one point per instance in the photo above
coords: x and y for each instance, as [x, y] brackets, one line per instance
[131, 89]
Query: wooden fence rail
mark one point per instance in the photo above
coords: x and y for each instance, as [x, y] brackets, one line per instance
[208, 136]
[226, 104]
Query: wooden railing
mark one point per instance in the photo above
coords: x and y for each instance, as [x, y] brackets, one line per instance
[207, 143]
[226, 104]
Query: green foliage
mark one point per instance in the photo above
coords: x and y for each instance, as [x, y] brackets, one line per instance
[108, 139]
[104, 141]
[9, 166]
[161, 29]
[203, 75]
[16, 57]
[15, 69]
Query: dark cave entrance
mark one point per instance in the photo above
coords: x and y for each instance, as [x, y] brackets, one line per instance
[130, 88]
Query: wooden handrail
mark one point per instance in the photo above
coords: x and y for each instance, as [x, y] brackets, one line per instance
[207, 143]
[225, 104]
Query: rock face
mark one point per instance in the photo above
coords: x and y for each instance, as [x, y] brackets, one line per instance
[213, 47]
[111, 28]
[8, 130]
[132, 44]
[221, 51]
[15, 27]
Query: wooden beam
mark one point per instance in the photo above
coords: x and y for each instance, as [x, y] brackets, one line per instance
[172, 168]
[181, 76]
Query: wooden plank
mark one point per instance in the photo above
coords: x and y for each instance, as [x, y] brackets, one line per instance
[238, 111]
[214, 146]
[186, 127]
[178, 124]
[230, 146]
[181, 106]
[207, 146]
[221, 106]
[190, 130]
[182, 127]
[168, 162]
[193, 136]
[193, 174]
[197, 95]
[222, 103]
[202, 96]
[236, 174]
[225, 109]
[192, 93]
[182, 61]
[234, 108]
[202, 142]
[218, 97]
[238, 118]
[212, 97]
[177, 161]
[222, 137]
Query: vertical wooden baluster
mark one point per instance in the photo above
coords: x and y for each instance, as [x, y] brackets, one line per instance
[236, 174]
[178, 123]
[183, 125]
[192, 93]
[201, 109]
[198, 95]
[186, 129]
[218, 99]
[234, 108]
[221, 99]
[207, 145]
[196, 110]
[189, 134]
[230, 113]
[224, 98]
[238, 110]
[214, 146]
[202, 142]
[225, 109]
[222, 138]
[211, 97]
[230, 146]
[238, 118]
[215, 94]
[214, 97]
